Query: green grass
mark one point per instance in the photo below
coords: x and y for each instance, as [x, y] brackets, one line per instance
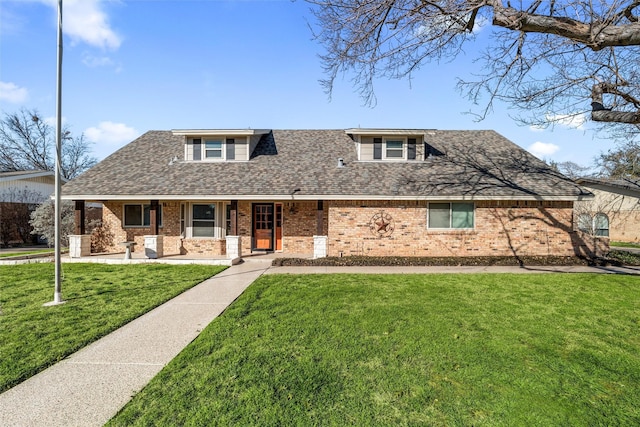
[31, 252]
[100, 298]
[624, 245]
[435, 350]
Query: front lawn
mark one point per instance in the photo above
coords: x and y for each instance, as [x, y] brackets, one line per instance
[26, 252]
[437, 350]
[100, 298]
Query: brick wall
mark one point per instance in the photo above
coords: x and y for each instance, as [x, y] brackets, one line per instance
[174, 244]
[501, 229]
[298, 226]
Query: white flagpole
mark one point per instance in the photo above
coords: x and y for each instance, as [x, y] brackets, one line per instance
[57, 295]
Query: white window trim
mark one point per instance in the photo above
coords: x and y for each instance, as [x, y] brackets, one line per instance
[219, 226]
[203, 149]
[384, 149]
[450, 228]
[223, 149]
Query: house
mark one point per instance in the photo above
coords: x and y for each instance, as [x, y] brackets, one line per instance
[20, 193]
[615, 210]
[375, 192]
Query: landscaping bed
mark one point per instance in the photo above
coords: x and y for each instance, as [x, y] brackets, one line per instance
[614, 258]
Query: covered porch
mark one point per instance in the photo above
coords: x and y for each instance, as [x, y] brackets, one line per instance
[204, 229]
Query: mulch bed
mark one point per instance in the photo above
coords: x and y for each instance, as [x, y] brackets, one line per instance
[443, 261]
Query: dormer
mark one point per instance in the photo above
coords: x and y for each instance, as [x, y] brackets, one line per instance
[389, 144]
[219, 145]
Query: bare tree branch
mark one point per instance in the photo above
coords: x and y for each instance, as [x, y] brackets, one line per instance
[27, 142]
[544, 57]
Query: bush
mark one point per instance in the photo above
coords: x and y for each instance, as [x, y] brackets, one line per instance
[43, 221]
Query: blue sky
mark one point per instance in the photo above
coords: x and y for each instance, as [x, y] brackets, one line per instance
[133, 66]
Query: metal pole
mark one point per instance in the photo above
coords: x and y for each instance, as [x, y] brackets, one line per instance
[57, 296]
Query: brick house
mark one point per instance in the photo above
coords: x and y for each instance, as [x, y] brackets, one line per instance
[20, 193]
[614, 212]
[374, 192]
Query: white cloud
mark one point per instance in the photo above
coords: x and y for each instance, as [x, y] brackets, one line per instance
[86, 21]
[542, 149]
[13, 93]
[111, 133]
[96, 61]
[574, 121]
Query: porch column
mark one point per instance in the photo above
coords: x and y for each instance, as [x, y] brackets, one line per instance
[320, 218]
[153, 246]
[153, 217]
[79, 245]
[234, 247]
[319, 247]
[234, 217]
[79, 217]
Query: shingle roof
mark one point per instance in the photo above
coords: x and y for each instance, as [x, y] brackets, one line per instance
[470, 164]
[632, 185]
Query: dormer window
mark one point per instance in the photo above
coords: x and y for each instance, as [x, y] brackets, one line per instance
[394, 149]
[216, 145]
[213, 148]
[389, 144]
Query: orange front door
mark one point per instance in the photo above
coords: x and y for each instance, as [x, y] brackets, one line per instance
[278, 226]
[263, 227]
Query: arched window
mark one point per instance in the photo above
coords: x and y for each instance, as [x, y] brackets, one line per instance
[601, 225]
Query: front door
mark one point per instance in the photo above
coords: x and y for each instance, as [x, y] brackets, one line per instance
[263, 226]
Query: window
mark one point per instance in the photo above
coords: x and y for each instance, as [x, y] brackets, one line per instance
[139, 215]
[213, 149]
[597, 226]
[584, 223]
[203, 220]
[451, 215]
[183, 219]
[601, 225]
[228, 220]
[394, 149]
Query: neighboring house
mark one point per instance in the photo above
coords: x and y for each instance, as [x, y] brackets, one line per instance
[615, 210]
[377, 192]
[20, 193]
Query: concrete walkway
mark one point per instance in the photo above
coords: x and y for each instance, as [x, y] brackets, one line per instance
[90, 386]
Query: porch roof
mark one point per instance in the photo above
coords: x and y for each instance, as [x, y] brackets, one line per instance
[303, 165]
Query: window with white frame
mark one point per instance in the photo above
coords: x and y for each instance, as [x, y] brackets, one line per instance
[455, 215]
[139, 215]
[601, 225]
[598, 225]
[211, 148]
[394, 149]
[203, 220]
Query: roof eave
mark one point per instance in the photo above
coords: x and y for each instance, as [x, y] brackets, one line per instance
[310, 197]
[219, 132]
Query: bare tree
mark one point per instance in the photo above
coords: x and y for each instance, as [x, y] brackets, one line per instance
[549, 59]
[571, 169]
[621, 162]
[27, 142]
